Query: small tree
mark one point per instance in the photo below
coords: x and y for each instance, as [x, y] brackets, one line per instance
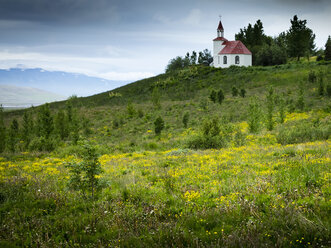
[61, 126]
[234, 91]
[193, 59]
[156, 98]
[270, 109]
[220, 96]
[281, 110]
[243, 93]
[131, 110]
[301, 100]
[327, 52]
[185, 119]
[213, 96]
[13, 135]
[312, 77]
[321, 88]
[2, 131]
[85, 176]
[158, 125]
[205, 57]
[45, 121]
[254, 116]
[27, 128]
[328, 90]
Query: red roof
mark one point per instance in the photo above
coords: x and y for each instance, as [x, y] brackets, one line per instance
[220, 26]
[220, 38]
[234, 47]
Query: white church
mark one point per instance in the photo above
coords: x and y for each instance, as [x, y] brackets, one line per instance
[227, 53]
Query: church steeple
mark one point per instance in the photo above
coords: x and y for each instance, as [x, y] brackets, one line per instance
[220, 29]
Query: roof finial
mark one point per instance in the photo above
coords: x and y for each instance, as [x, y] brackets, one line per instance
[220, 16]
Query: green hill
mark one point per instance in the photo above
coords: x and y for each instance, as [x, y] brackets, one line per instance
[188, 91]
[251, 171]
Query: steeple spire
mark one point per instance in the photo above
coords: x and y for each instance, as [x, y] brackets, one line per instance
[220, 29]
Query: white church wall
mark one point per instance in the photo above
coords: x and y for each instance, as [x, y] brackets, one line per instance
[217, 47]
[244, 60]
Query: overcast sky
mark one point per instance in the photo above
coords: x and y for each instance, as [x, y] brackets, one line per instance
[129, 40]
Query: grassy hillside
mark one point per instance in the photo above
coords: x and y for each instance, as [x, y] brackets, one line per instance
[257, 187]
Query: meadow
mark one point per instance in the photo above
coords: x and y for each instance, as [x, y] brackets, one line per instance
[213, 182]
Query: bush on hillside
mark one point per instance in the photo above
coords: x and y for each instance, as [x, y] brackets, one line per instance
[213, 135]
[303, 131]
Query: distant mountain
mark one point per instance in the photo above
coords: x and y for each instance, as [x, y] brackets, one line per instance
[19, 97]
[62, 83]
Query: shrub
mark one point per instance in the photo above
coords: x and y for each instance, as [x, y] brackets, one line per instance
[243, 93]
[155, 97]
[328, 90]
[312, 77]
[321, 88]
[220, 96]
[270, 109]
[2, 131]
[212, 135]
[281, 110]
[254, 116]
[185, 119]
[158, 125]
[303, 131]
[300, 101]
[213, 96]
[84, 176]
[235, 91]
[131, 110]
[140, 113]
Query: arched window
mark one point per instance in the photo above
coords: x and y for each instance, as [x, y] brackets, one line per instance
[237, 61]
[225, 60]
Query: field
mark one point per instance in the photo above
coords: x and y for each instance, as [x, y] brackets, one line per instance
[190, 186]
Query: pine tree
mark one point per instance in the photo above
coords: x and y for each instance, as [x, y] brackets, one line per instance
[156, 98]
[159, 125]
[27, 128]
[213, 96]
[185, 119]
[254, 116]
[281, 110]
[234, 91]
[327, 52]
[270, 109]
[300, 39]
[45, 121]
[13, 135]
[2, 131]
[193, 59]
[243, 93]
[220, 96]
[61, 126]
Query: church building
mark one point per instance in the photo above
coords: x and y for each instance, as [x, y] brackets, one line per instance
[227, 53]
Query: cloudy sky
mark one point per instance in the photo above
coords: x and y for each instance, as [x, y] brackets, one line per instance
[133, 39]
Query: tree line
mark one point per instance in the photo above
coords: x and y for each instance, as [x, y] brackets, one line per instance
[42, 130]
[297, 42]
[202, 58]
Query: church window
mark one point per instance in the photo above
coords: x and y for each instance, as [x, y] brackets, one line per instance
[218, 58]
[237, 60]
[225, 60]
